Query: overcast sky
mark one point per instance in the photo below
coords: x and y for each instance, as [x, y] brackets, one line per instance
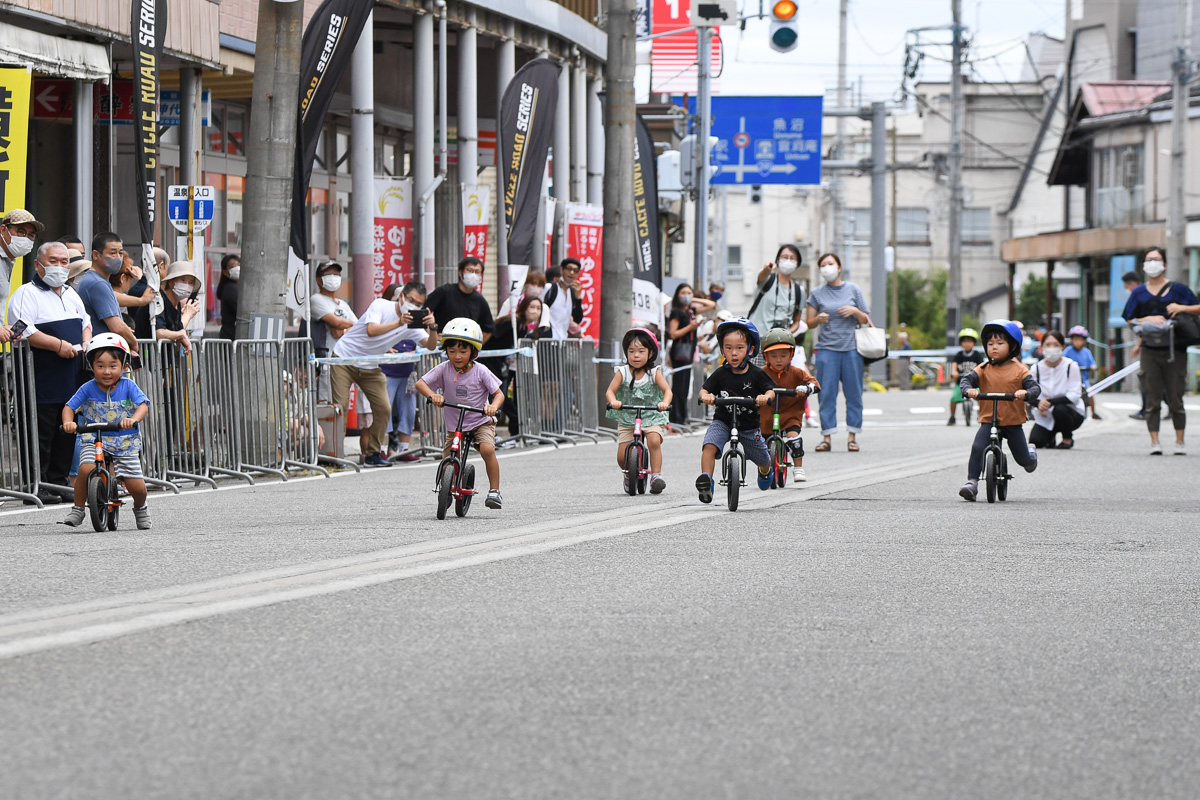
[875, 44]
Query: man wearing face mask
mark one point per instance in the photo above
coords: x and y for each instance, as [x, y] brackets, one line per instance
[461, 299]
[561, 303]
[58, 329]
[330, 316]
[99, 299]
[17, 232]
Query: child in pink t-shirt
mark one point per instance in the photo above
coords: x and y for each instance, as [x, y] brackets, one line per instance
[465, 382]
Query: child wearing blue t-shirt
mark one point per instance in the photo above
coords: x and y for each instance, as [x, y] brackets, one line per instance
[1079, 353]
[111, 398]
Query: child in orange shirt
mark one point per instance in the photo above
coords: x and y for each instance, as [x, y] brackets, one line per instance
[779, 346]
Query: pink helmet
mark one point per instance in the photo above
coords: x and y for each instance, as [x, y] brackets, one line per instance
[1079, 330]
[633, 333]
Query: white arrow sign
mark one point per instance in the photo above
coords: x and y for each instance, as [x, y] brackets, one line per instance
[48, 99]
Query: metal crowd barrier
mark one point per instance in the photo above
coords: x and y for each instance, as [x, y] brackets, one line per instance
[20, 467]
[168, 380]
[220, 381]
[528, 394]
[431, 418]
[589, 391]
[554, 391]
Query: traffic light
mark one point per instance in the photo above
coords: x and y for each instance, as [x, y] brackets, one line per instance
[785, 30]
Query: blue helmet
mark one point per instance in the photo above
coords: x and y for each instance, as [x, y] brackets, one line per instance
[1009, 330]
[742, 324]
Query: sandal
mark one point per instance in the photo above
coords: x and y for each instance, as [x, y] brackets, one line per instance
[852, 447]
[823, 447]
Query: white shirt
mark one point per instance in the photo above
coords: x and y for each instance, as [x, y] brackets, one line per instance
[34, 305]
[558, 315]
[1056, 381]
[355, 342]
[6, 267]
[321, 306]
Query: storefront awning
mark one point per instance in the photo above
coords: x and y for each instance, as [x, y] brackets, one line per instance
[53, 55]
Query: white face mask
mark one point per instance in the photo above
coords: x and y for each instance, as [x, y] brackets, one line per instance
[787, 266]
[1052, 354]
[471, 280]
[182, 291]
[19, 246]
[235, 273]
[55, 276]
[331, 283]
[829, 273]
[1153, 268]
[533, 291]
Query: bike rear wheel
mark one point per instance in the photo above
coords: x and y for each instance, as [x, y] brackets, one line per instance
[733, 479]
[463, 504]
[97, 499]
[780, 467]
[968, 407]
[633, 466]
[1002, 480]
[991, 467]
[444, 483]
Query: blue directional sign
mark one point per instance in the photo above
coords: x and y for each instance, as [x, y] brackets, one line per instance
[764, 140]
[203, 201]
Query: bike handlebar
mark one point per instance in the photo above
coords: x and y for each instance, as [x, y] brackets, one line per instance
[477, 410]
[98, 427]
[995, 396]
[808, 391]
[746, 402]
[625, 407]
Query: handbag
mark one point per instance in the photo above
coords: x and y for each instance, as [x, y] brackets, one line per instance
[871, 343]
[1187, 330]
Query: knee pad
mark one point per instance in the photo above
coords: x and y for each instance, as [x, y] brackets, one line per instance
[795, 446]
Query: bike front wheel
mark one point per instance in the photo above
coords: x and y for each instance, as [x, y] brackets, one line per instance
[97, 499]
[633, 468]
[1002, 480]
[780, 470]
[445, 482]
[463, 504]
[733, 479]
[991, 474]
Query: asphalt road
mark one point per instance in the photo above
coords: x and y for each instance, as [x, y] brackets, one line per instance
[867, 635]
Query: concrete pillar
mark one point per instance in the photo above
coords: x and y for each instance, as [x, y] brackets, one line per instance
[423, 147]
[562, 137]
[595, 143]
[506, 67]
[362, 167]
[579, 132]
[468, 101]
[84, 162]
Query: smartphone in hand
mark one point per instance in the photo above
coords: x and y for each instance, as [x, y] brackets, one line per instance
[18, 329]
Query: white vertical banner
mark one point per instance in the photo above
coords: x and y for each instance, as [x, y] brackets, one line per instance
[393, 233]
[476, 208]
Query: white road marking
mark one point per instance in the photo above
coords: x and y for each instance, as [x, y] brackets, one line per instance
[52, 628]
[1122, 406]
[872, 412]
[927, 410]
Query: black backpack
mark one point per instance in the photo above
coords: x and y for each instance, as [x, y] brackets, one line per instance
[768, 284]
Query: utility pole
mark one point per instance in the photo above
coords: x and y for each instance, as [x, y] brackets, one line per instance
[894, 322]
[840, 234]
[700, 151]
[878, 221]
[954, 277]
[270, 160]
[1176, 211]
[616, 302]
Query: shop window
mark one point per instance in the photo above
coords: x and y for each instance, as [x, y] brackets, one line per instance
[1119, 183]
[858, 224]
[235, 123]
[912, 225]
[977, 226]
[216, 129]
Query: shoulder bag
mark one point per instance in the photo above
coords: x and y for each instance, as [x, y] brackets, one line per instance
[871, 342]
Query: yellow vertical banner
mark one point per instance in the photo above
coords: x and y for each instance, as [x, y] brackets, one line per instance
[14, 150]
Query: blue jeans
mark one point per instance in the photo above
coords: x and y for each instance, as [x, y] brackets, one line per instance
[404, 406]
[846, 368]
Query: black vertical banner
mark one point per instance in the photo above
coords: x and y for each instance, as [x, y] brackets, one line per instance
[645, 206]
[148, 26]
[526, 126]
[329, 41]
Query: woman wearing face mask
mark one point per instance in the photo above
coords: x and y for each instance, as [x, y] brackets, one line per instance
[227, 294]
[780, 299]
[182, 281]
[681, 328]
[1163, 357]
[839, 308]
[535, 285]
[1060, 407]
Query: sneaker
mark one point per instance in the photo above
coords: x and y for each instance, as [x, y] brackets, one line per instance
[704, 486]
[798, 475]
[509, 444]
[75, 518]
[404, 457]
[625, 482]
[1033, 455]
[952, 421]
[764, 479]
[1139, 415]
[376, 460]
[142, 516]
[1179, 449]
[969, 491]
[657, 484]
[1095, 415]
[1156, 449]
[493, 499]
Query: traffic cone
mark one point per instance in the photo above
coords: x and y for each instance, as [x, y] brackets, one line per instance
[352, 409]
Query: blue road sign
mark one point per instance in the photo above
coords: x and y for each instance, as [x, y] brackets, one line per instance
[766, 140]
[168, 107]
[203, 199]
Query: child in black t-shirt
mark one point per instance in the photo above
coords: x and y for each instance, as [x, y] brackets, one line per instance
[964, 362]
[737, 377]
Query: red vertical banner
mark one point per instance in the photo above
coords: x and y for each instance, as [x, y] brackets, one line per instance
[585, 242]
[476, 211]
[393, 233]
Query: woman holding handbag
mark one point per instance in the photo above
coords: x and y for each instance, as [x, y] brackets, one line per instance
[681, 328]
[1163, 315]
[839, 308]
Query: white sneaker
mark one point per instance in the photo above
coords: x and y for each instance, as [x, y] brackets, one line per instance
[1156, 449]
[1179, 449]
[798, 475]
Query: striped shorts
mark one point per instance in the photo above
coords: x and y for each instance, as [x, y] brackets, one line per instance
[128, 465]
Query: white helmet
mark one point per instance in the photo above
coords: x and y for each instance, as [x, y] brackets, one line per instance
[464, 330]
[107, 341]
